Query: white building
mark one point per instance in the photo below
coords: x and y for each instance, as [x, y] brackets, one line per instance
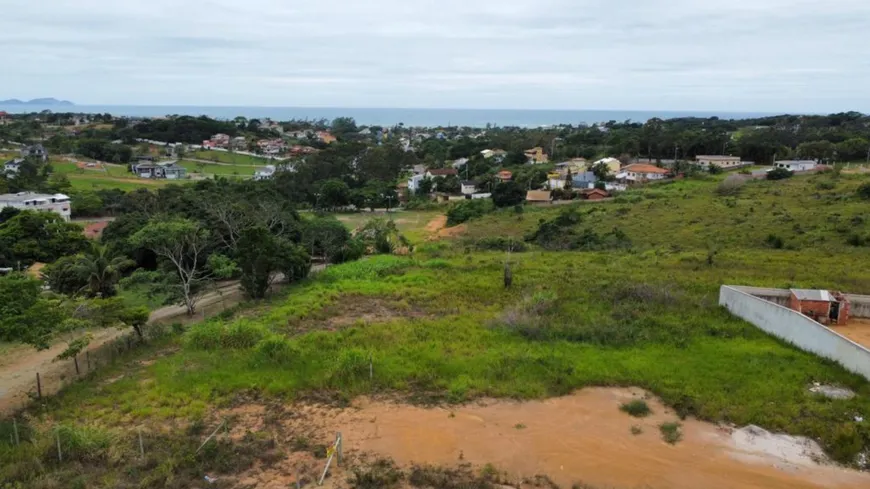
[265, 172]
[796, 165]
[468, 187]
[414, 182]
[58, 203]
[640, 172]
[12, 166]
[724, 162]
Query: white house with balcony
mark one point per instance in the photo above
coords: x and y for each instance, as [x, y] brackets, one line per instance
[58, 203]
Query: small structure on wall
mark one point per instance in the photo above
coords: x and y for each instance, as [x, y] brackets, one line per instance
[821, 305]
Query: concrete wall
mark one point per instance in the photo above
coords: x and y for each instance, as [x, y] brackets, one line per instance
[796, 329]
[859, 305]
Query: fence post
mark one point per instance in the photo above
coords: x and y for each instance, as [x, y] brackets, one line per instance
[38, 386]
[59, 454]
[15, 429]
[76, 362]
[339, 448]
[141, 445]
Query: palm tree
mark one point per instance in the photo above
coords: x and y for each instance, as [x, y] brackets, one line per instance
[102, 268]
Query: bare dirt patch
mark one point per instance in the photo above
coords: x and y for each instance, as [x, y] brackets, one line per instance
[857, 330]
[581, 438]
[436, 224]
[350, 310]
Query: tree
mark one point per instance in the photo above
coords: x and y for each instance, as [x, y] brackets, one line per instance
[27, 316]
[325, 237]
[507, 194]
[259, 257]
[86, 204]
[853, 149]
[449, 184]
[102, 269]
[425, 186]
[864, 191]
[64, 276]
[342, 126]
[601, 171]
[515, 158]
[334, 193]
[184, 245]
[33, 236]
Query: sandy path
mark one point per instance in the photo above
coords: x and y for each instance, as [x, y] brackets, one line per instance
[436, 224]
[583, 437]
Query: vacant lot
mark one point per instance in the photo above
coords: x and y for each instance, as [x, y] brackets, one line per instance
[227, 157]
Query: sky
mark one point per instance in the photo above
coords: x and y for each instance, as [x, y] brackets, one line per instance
[736, 55]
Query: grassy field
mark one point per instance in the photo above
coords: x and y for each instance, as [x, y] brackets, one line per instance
[110, 176]
[233, 158]
[439, 326]
[410, 224]
[222, 170]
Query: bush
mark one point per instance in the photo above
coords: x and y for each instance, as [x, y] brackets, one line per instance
[731, 186]
[353, 249]
[276, 349]
[671, 432]
[637, 408]
[774, 241]
[779, 174]
[714, 170]
[468, 209]
[214, 335]
[864, 191]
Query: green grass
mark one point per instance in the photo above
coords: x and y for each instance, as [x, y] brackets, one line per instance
[222, 170]
[227, 157]
[637, 408]
[671, 432]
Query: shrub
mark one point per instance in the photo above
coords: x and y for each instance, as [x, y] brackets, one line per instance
[714, 170]
[468, 209]
[215, 335]
[277, 350]
[774, 241]
[779, 174]
[731, 186]
[671, 432]
[83, 443]
[637, 408]
[382, 474]
[507, 194]
[864, 191]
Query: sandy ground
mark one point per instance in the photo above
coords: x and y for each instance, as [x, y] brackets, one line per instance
[581, 438]
[857, 330]
[437, 229]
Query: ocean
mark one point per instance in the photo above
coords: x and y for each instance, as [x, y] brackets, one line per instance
[390, 117]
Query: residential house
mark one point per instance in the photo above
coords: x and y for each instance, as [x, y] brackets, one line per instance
[239, 143]
[574, 165]
[584, 180]
[35, 151]
[414, 182]
[482, 195]
[365, 131]
[441, 172]
[594, 194]
[11, 167]
[613, 165]
[418, 169]
[498, 154]
[169, 170]
[459, 163]
[219, 140]
[58, 203]
[556, 181]
[302, 150]
[4, 118]
[796, 165]
[272, 147]
[300, 134]
[639, 172]
[539, 197]
[468, 187]
[504, 176]
[536, 156]
[265, 172]
[724, 162]
[326, 137]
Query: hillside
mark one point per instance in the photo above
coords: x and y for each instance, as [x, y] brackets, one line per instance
[439, 327]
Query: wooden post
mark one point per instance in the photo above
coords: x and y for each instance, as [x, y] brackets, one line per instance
[38, 386]
[59, 454]
[141, 445]
[76, 362]
[15, 429]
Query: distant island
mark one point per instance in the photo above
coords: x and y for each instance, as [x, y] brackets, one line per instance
[36, 101]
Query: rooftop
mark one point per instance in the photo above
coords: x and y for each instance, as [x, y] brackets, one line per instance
[25, 196]
[643, 168]
[811, 295]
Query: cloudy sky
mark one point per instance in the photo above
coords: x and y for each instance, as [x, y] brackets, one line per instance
[739, 55]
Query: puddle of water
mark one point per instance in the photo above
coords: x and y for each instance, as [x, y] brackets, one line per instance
[582, 438]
